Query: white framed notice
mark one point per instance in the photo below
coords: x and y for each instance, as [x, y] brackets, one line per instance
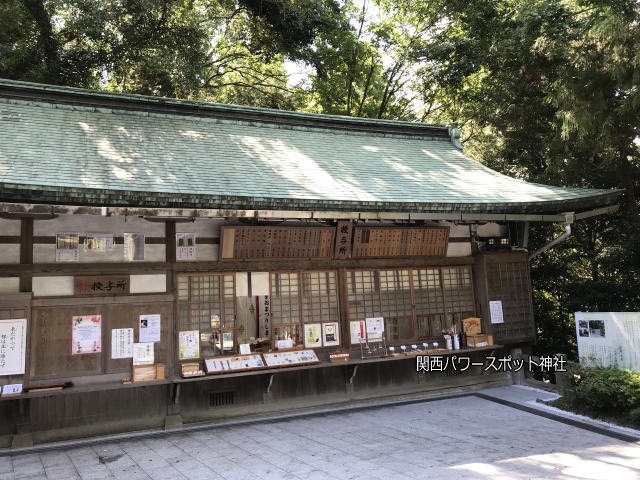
[188, 344]
[67, 247]
[312, 335]
[357, 331]
[185, 246]
[495, 307]
[13, 344]
[375, 328]
[149, 330]
[143, 353]
[122, 343]
[330, 334]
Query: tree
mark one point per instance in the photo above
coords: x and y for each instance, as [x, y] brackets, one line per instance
[548, 91]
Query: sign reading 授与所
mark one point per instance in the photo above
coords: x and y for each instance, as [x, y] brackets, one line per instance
[102, 285]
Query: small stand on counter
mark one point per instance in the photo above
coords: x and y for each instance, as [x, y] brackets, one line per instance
[338, 356]
[193, 369]
[12, 390]
[148, 373]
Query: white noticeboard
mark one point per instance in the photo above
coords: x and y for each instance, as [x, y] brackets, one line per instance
[121, 343]
[609, 339]
[375, 327]
[143, 353]
[13, 344]
[149, 328]
[495, 307]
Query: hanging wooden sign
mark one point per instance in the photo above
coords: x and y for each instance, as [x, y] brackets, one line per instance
[256, 242]
[101, 285]
[344, 231]
[400, 242]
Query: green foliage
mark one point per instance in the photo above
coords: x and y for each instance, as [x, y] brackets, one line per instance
[634, 417]
[609, 389]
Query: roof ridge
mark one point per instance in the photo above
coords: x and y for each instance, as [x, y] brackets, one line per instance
[129, 101]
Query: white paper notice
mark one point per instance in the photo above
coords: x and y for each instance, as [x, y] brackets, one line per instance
[13, 389]
[100, 242]
[150, 328]
[287, 343]
[143, 353]
[375, 327]
[245, 349]
[185, 246]
[122, 343]
[495, 307]
[67, 247]
[189, 344]
[86, 334]
[13, 341]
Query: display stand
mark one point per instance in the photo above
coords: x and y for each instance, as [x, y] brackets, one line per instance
[234, 363]
[290, 358]
[373, 348]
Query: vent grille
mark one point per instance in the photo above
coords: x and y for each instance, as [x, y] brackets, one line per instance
[219, 399]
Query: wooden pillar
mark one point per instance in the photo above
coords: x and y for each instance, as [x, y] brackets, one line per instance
[26, 252]
[170, 253]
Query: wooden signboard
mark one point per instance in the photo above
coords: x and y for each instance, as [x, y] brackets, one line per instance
[101, 285]
[400, 242]
[256, 242]
[344, 232]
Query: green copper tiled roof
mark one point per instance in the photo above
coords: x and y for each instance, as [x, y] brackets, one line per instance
[78, 147]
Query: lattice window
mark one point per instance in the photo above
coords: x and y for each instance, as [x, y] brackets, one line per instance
[285, 298]
[429, 301]
[302, 297]
[319, 297]
[382, 293]
[395, 295]
[206, 302]
[416, 303]
[364, 296]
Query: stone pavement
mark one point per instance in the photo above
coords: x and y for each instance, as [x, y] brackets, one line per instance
[466, 437]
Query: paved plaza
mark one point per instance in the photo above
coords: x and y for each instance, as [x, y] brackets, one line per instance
[467, 438]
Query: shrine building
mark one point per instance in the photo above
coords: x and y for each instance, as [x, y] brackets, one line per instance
[165, 262]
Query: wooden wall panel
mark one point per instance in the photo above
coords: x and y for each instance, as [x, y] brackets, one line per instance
[507, 279]
[127, 316]
[50, 355]
[400, 242]
[257, 242]
[51, 338]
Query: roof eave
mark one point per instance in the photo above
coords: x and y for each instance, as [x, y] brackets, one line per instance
[123, 201]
